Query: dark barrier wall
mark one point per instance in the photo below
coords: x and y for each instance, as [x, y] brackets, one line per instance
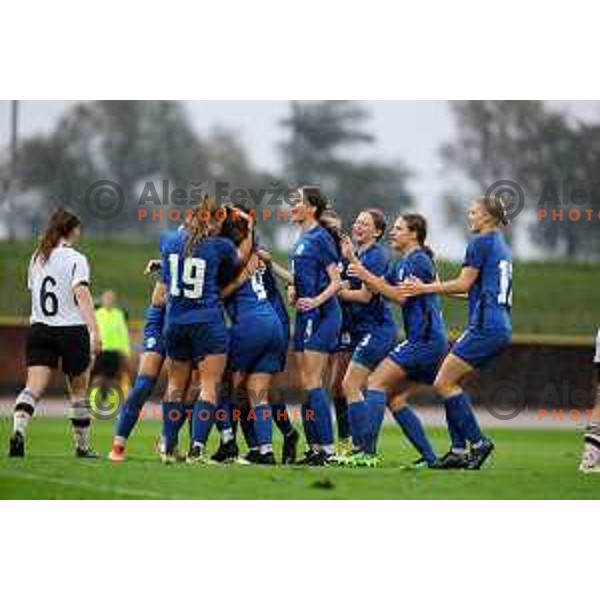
[528, 375]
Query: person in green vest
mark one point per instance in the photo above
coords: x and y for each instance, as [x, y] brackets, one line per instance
[112, 365]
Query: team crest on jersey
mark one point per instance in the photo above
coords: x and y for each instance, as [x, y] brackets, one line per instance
[151, 342]
[299, 250]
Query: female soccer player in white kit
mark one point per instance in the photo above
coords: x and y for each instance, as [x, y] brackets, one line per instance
[63, 328]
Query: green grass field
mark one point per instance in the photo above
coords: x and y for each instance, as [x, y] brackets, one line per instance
[549, 297]
[528, 464]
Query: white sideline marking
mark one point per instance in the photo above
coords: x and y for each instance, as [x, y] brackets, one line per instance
[84, 484]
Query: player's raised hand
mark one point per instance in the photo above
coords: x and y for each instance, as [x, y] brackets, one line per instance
[253, 264]
[355, 269]
[347, 248]
[265, 255]
[153, 266]
[291, 295]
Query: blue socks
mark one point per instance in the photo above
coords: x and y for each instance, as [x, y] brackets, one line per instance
[359, 421]
[309, 426]
[375, 400]
[131, 411]
[413, 430]
[204, 416]
[457, 439]
[341, 417]
[317, 401]
[173, 418]
[458, 408]
[264, 427]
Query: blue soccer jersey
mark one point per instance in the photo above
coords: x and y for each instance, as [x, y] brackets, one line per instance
[257, 336]
[275, 298]
[312, 254]
[490, 297]
[193, 282]
[377, 313]
[422, 315]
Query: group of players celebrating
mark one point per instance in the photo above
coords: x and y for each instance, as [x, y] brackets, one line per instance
[219, 322]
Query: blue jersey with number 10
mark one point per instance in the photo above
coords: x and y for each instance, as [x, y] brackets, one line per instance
[193, 282]
[490, 297]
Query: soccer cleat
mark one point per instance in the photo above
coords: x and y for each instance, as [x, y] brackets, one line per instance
[308, 457]
[344, 447]
[319, 459]
[590, 461]
[227, 452]
[419, 464]
[198, 456]
[479, 455]
[267, 459]
[362, 459]
[17, 445]
[117, 453]
[86, 453]
[168, 458]
[290, 445]
[451, 460]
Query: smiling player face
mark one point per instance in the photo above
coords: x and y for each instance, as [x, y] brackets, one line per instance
[477, 217]
[364, 230]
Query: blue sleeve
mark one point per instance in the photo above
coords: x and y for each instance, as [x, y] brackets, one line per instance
[327, 251]
[164, 257]
[475, 254]
[422, 267]
[377, 262]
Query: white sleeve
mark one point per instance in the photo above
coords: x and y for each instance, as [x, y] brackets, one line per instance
[81, 271]
[597, 356]
[29, 274]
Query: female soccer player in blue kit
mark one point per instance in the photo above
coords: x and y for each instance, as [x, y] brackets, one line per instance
[487, 277]
[314, 266]
[373, 333]
[257, 341]
[194, 262]
[410, 364]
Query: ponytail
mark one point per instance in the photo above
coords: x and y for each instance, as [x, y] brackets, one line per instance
[198, 226]
[60, 226]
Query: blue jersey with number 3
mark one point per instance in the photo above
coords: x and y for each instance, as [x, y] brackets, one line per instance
[193, 282]
[490, 297]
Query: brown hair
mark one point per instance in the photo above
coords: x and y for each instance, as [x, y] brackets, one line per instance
[60, 226]
[379, 221]
[418, 223]
[197, 228]
[334, 231]
[495, 207]
[313, 196]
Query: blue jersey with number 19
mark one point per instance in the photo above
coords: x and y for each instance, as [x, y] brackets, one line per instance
[490, 297]
[193, 282]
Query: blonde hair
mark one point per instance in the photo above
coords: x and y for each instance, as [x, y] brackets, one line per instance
[495, 207]
[198, 226]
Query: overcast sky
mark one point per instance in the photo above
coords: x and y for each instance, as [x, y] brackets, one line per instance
[411, 131]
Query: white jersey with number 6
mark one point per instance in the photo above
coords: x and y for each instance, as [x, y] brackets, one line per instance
[52, 283]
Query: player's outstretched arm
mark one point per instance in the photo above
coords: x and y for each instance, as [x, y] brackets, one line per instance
[376, 284]
[86, 307]
[279, 271]
[461, 285]
[335, 285]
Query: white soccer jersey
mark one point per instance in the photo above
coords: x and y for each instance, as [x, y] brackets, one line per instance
[52, 283]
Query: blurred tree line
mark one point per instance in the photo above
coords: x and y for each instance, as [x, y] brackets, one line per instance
[134, 142]
[555, 159]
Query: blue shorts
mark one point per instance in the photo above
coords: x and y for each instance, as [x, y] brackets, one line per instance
[318, 331]
[370, 348]
[154, 340]
[257, 345]
[420, 360]
[480, 347]
[194, 342]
